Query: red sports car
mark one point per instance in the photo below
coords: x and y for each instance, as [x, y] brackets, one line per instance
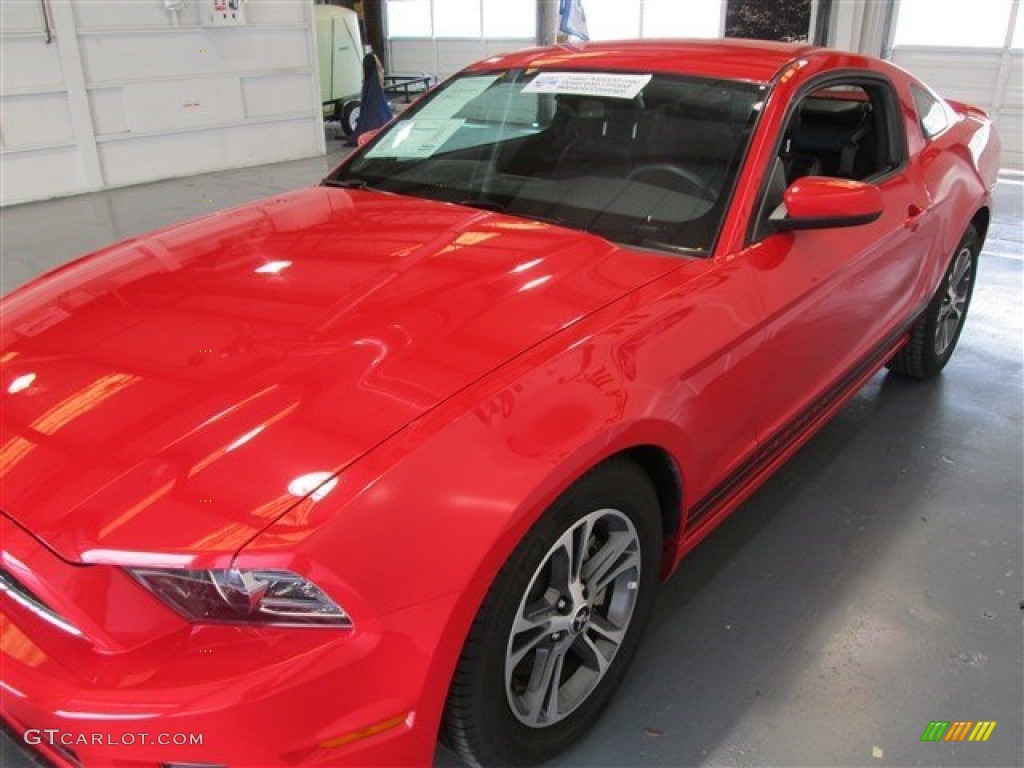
[401, 457]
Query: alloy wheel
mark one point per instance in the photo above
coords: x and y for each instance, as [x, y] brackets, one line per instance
[573, 618]
[954, 303]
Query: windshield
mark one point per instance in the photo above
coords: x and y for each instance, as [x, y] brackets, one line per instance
[639, 159]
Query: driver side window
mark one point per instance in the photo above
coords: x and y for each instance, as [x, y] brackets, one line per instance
[846, 130]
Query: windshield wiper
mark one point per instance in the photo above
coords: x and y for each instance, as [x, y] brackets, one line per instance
[661, 245]
[491, 205]
[483, 205]
[550, 219]
[347, 183]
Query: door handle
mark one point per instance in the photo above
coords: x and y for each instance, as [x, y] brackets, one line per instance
[913, 220]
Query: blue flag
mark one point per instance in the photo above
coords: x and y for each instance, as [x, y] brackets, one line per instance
[572, 20]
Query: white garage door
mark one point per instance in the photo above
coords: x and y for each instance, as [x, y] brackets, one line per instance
[440, 37]
[969, 51]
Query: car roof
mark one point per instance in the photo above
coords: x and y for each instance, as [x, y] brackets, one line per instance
[754, 60]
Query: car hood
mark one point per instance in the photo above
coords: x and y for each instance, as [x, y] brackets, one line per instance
[166, 399]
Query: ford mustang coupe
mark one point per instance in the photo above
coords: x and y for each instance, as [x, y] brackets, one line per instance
[402, 457]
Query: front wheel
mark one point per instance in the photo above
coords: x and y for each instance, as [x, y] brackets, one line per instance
[561, 623]
[935, 334]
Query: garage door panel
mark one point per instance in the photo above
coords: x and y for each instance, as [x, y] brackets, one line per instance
[191, 53]
[35, 119]
[34, 175]
[963, 75]
[275, 13]
[169, 106]
[453, 55]
[412, 56]
[19, 18]
[112, 14]
[29, 64]
[1013, 97]
[108, 112]
[495, 47]
[1011, 131]
[147, 158]
[275, 95]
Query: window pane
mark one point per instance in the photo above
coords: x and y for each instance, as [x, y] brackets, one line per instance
[953, 23]
[694, 18]
[613, 19]
[930, 113]
[1018, 30]
[785, 20]
[652, 171]
[408, 18]
[510, 18]
[456, 18]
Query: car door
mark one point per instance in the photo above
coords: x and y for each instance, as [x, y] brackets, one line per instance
[835, 298]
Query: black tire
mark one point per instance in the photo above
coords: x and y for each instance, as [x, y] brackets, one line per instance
[935, 334]
[482, 722]
[349, 116]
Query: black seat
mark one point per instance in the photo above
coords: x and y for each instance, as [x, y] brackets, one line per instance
[605, 132]
[827, 138]
[796, 162]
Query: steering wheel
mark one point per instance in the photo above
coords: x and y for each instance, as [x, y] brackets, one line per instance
[696, 182]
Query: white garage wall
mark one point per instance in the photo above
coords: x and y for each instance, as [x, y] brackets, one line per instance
[970, 52]
[977, 77]
[440, 37]
[128, 93]
[626, 19]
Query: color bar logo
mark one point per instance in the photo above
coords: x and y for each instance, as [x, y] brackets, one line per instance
[958, 730]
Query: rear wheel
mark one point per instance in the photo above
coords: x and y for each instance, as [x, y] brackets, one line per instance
[935, 334]
[561, 623]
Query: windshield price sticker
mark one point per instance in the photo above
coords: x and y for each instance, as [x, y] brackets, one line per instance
[454, 96]
[416, 138]
[614, 86]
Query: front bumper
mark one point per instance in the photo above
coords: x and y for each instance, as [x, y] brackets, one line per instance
[215, 696]
[225, 695]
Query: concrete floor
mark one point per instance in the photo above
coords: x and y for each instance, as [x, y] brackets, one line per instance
[872, 586]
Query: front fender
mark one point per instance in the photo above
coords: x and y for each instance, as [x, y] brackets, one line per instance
[438, 508]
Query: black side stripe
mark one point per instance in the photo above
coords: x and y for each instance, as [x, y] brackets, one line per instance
[790, 432]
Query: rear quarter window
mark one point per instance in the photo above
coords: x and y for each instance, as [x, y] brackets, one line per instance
[930, 113]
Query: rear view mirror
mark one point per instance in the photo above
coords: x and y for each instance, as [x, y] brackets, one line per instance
[817, 202]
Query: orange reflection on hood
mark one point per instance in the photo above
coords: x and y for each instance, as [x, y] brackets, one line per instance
[77, 404]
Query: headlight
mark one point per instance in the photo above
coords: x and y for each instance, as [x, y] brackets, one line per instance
[249, 596]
